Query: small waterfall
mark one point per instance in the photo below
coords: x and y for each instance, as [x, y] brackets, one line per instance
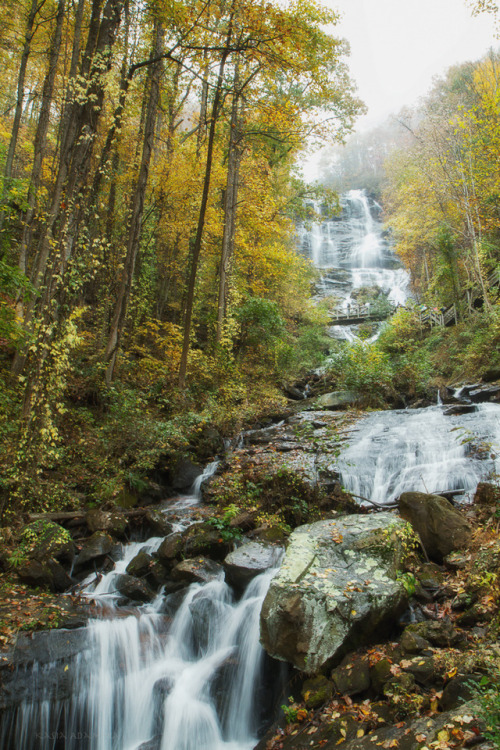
[208, 472]
[145, 681]
[423, 450]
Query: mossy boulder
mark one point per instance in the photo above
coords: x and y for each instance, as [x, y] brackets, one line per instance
[336, 590]
[94, 549]
[441, 528]
[317, 691]
[44, 540]
[352, 676]
[111, 521]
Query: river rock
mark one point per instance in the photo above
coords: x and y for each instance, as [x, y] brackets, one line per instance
[459, 409]
[248, 561]
[337, 399]
[336, 588]
[352, 676]
[48, 573]
[140, 564]
[317, 691]
[441, 528]
[48, 540]
[93, 549]
[170, 549]
[197, 570]
[204, 539]
[184, 475]
[134, 588]
[485, 393]
[157, 522]
[111, 521]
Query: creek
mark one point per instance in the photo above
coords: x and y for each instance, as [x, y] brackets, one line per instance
[186, 671]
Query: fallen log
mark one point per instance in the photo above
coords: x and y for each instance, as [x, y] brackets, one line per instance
[77, 515]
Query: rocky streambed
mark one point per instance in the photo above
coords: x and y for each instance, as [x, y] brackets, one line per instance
[382, 620]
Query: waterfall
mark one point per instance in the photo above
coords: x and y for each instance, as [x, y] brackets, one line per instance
[353, 251]
[421, 449]
[150, 682]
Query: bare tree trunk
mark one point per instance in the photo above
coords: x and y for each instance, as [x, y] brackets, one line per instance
[137, 209]
[9, 162]
[41, 134]
[195, 256]
[230, 205]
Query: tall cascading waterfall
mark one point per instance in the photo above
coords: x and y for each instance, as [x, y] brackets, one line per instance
[394, 451]
[353, 251]
[183, 672]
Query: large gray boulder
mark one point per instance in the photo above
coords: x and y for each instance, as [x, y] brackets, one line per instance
[336, 588]
[441, 528]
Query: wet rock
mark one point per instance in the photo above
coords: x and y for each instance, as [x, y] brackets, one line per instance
[337, 400]
[317, 691]
[113, 522]
[248, 561]
[184, 475]
[140, 564]
[204, 539]
[437, 632]
[485, 393]
[134, 588]
[352, 676]
[157, 575]
[157, 522]
[441, 528]
[197, 570]
[458, 409]
[208, 616]
[170, 549]
[48, 574]
[336, 588]
[94, 549]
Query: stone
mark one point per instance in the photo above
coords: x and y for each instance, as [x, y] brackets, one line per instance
[48, 573]
[111, 521]
[478, 613]
[437, 632]
[93, 549]
[244, 520]
[458, 690]
[352, 676]
[133, 588]
[317, 691]
[456, 561]
[487, 494]
[48, 540]
[485, 393]
[197, 570]
[337, 400]
[335, 590]
[139, 565]
[412, 643]
[170, 549]
[423, 669]
[157, 522]
[458, 409]
[380, 673]
[441, 528]
[204, 539]
[400, 684]
[184, 475]
[430, 576]
[248, 561]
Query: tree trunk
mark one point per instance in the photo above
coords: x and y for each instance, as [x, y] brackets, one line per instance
[9, 162]
[195, 256]
[230, 205]
[41, 135]
[137, 209]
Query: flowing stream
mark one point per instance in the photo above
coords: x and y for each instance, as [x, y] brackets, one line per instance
[183, 672]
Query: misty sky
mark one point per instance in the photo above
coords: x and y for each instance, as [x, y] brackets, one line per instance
[398, 46]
